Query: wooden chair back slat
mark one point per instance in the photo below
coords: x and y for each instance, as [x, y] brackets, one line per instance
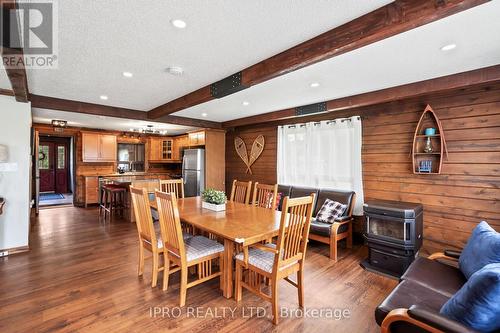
[265, 195]
[294, 230]
[170, 223]
[142, 211]
[240, 192]
[173, 186]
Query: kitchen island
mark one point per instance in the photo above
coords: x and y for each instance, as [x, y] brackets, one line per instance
[139, 181]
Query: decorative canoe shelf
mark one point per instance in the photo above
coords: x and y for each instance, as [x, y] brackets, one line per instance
[429, 144]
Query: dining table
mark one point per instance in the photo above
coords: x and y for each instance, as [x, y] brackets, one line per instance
[239, 225]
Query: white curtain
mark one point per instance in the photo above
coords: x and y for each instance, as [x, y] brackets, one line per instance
[324, 154]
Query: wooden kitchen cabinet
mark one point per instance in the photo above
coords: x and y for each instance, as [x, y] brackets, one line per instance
[91, 184]
[98, 147]
[196, 138]
[215, 159]
[161, 149]
[180, 143]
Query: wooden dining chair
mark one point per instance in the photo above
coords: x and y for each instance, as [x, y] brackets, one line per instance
[197, 251]
[240, 192]
[146, 231]
[265, 195]
[150, 185]
[258, 262]
[173, 186]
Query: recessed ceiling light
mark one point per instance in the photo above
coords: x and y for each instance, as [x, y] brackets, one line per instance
[127, 74]
[245, 103]
[179, 24]
[448, 47]
[204, 114]
[314, 85]
[103, 97]
[175, 70]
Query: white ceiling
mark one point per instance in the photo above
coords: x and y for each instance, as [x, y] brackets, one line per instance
[45, 116]
[98, 40]
[409, 57]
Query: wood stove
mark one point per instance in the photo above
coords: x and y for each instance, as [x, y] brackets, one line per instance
[394, 233]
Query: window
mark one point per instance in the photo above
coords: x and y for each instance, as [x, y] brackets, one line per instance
[43, 157]
[323, 154]
[61, 157]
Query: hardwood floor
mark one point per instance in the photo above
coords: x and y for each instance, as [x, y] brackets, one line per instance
[81, 275]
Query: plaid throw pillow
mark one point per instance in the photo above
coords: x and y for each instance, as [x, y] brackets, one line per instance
[278, 199]
[330, 211]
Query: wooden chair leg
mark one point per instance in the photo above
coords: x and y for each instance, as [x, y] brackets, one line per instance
[221, 269]
[238, 287]
[300, 286]
[141, 259]
[274, 301]
[333, 248]
[154, 279]
[184, 278]
[166, 270]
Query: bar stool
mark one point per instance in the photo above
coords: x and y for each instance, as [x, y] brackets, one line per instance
[112, 200]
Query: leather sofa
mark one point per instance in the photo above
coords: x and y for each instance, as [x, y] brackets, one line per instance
[414, 304]
[325, 232]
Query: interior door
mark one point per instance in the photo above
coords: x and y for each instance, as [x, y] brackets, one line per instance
[37, 173]
[61, 167]
[46, 166]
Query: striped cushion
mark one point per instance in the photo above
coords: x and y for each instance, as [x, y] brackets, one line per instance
[199, 247]
[185, 235]
[258, 258]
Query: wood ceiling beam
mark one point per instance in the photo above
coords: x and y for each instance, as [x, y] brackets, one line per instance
[14, 58]
[392, 19]
[441, 84]
[59, 104]
[6, 92]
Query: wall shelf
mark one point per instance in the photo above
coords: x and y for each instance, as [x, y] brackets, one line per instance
[437, 142]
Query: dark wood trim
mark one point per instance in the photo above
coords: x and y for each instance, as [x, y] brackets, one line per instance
[392, 19]
[6, 92]
[17, 75]
[196, 97]
[441, 84]
[59, 104]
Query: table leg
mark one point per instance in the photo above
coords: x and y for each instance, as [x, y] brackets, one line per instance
[228, 268]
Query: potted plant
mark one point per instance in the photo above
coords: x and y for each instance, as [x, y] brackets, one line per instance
[213, 200]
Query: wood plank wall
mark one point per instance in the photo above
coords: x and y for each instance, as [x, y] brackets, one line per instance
[467, 191]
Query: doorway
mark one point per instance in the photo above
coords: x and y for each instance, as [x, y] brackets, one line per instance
[54, 166]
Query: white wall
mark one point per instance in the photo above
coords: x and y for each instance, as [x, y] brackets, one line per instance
[15, 128]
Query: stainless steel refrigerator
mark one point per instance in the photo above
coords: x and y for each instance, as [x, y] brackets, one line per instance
[193, 171]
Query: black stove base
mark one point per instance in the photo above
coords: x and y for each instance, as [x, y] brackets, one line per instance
[369, 267]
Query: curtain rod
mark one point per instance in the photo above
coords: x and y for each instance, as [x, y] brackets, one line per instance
[327, 122]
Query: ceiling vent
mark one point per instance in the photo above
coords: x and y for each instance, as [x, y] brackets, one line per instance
[227, 86]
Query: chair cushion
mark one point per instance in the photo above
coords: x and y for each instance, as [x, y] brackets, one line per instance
[330, 211]
[298, 191]
[324, 229]
[199, 247]
[259, 258]
[406, 294]
[432, 274]
[344, 197]
[476, 304]
[185, 235]
[482, 248]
